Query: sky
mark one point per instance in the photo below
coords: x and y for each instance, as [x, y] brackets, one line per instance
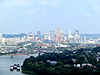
[33, 15]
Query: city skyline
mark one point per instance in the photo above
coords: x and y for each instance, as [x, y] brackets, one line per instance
[25, 16]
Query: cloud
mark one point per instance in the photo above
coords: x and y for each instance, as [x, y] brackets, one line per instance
[43, 12]
[12, 3]
[96, 8]
[28, 12]
[87, 15]
[49, 2]
[33, 12]
[55, 3]
[68, 16]
[43, 2]
[20, 2]
[11, 7]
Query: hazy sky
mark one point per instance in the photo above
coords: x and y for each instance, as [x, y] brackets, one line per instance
[33, 15]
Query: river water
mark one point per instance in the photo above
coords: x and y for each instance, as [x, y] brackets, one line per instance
[7, 61]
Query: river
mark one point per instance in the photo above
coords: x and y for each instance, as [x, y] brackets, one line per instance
[7, 61]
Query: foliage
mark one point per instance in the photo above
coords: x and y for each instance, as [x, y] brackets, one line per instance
[64, 65]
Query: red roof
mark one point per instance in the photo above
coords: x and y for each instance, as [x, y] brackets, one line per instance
[40, 44]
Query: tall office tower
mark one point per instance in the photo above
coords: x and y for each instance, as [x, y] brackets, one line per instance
[76, 36]
[1, 35]
[62, 36]
[30, 37]
[52, 35]
[70, 36]
[58, 35]
[38, 33]
[65, 38]
[2, 40]
[38, 36]
[46, 36]
[76, 32]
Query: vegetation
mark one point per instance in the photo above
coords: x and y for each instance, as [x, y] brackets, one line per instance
[65, 63]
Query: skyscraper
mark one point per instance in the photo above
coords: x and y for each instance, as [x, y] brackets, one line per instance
[31, 37]
[76, 36]
[70, 36]
[58, 35]
[46, 36]
[52, 35]
[38, 37]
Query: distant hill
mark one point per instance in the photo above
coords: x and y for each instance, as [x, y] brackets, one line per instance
[14, 35]
[94, 36]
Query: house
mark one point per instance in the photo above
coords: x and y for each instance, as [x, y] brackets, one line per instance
[52, 62]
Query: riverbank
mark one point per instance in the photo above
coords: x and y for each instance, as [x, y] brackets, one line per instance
[8, 54]
[6, 61]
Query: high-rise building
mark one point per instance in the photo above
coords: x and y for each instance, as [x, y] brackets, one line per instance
[76, 36]
[46, 36]
[52, 35]
[58, 35]
[62, 36]
[38, 37]
[70, 36]
[38, 33]
[30, 37]
[1, 35]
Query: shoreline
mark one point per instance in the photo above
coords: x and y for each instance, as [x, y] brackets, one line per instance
[12, 54]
